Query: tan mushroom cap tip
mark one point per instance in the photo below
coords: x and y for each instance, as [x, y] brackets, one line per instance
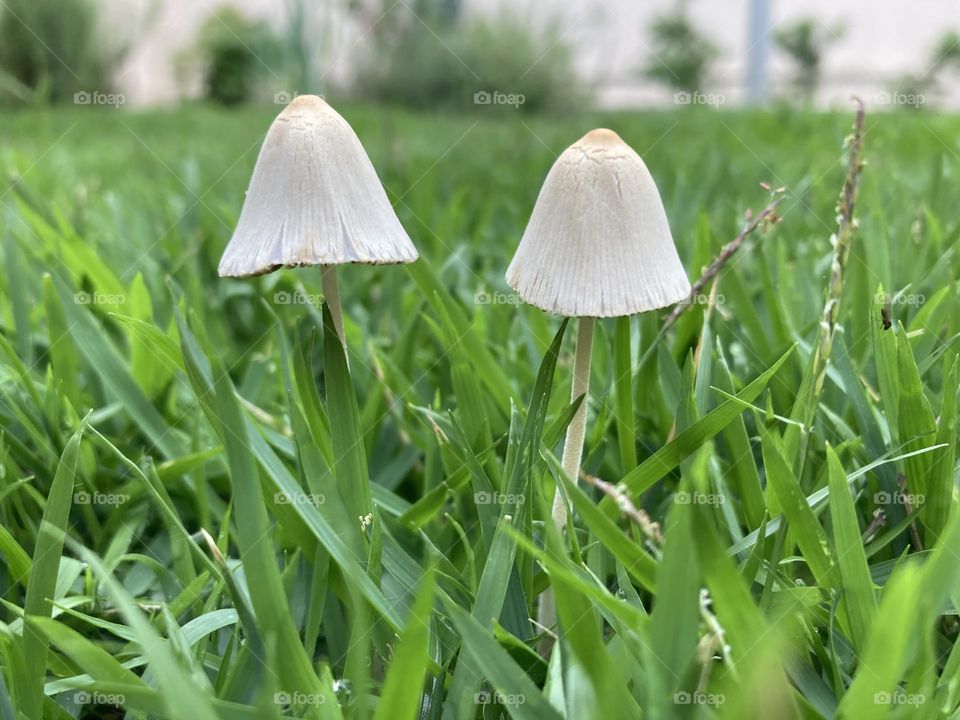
[306, 106]
[601, 137]
[306, 100]
[598, 243]
[314, 199]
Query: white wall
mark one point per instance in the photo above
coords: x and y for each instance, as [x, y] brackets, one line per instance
[881, 40]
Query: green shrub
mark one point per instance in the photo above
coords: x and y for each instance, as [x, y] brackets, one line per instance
[805, 42]
[50, 49]
[914, 91]
[233, 53]
[431, 61]
[681, 56]
[507, 57]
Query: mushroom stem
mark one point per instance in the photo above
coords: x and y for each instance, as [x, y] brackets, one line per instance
[573, 444]
[572, 454]
[331, 295]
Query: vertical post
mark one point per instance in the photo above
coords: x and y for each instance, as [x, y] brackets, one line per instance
[758, 42]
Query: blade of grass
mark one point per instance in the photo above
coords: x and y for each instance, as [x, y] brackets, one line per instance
[623, 386]
[939, 506]
[254, 538]
[350, 460]
[183, 698]
[807, 531]
[499, 568]
[283, 481]
[858, 598]
[489, 660]
[403, 688]
[918, 427]
[101, 355]
[44, 567]
[889, 651]
[672, 454]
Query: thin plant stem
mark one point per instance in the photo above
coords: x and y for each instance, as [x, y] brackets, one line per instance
[546, 619]
[331, 295]
[805, 408]
[572, 454]
[573, 444]
[841, 242]
[766, 219]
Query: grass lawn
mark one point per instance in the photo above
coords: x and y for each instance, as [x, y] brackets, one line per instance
[205, 512]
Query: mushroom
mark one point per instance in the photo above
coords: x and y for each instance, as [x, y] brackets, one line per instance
[597, 245]
[314, 199]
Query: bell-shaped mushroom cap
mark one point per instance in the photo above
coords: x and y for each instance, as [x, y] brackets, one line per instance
[598, 243]
[314, 199]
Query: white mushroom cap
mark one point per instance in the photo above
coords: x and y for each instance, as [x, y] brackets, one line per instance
[598, 243]
[314, 199]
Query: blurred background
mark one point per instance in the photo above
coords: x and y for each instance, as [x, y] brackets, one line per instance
[450, 55]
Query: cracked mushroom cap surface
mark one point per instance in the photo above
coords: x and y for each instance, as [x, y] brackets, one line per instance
[598, 243]
[314, 199]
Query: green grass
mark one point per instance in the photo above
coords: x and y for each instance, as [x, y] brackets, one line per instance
[207, 511]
